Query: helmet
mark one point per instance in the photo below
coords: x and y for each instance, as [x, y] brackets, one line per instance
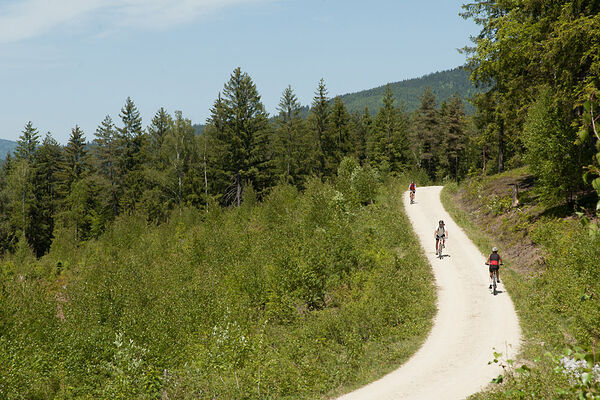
[494, 249]
[441, 222]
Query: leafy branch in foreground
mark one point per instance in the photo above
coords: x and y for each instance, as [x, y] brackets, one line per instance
[591, 122]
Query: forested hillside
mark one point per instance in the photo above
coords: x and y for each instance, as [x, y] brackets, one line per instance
[6, 147]
[46, 187]
[443, 84]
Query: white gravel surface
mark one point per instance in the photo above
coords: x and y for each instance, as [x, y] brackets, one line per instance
[470, 323]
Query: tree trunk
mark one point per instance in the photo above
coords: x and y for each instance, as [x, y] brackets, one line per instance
[456, 168]
[23, 209]
[501, 147]
[515, 195]
[483, 170]
[205, 176]
[238, 191]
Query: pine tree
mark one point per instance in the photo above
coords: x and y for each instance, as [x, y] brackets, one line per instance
[20, 193]
[288, 143]
[50, 157]
[319, 123]
[216, 162]
[157, 131]
[107, 152]
[75, 163]
[131, 138]
[426, 135]
[455, 139]
[360, 133]
[28, 143]
[337, 142]
[7, 231]
[241, 132]
[388, 144]
[130, 135]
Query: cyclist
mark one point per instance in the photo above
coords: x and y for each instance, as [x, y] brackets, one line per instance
[440, 233]
[413, 188]
[494, 261]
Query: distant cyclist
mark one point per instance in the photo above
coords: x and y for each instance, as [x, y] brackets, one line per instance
[494, 261]
[413, 188]
[440, 233]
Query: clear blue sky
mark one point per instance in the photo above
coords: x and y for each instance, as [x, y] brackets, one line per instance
[67, 62]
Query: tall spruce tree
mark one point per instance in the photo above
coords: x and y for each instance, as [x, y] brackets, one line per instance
[319, 123]
[132, 138]
[338, 142]
[50, 157]
[106, 154]
[75, 161]
[28, 143]
[157, 131]
[426, 134]
[20, 193]
[388, 142]
[455, 139]
[288, 142]
[22, 186]
[241, 135]
[360, 134]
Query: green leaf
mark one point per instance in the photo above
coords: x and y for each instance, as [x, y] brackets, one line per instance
[585, 177]
[587, 106]
[582, 134]
[585, 378]
[524, 369]
[596, 184]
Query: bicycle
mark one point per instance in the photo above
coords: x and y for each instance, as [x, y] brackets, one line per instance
[412, 197]
[494, 279]
[440, 245]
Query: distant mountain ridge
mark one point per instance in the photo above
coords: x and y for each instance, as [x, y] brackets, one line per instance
[408, 92]
[6, 146]
[444, 84]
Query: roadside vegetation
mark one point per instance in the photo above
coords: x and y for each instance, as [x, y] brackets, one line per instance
[552, 273]
[304, 295]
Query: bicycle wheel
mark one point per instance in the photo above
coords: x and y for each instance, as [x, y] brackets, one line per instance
[494, 282]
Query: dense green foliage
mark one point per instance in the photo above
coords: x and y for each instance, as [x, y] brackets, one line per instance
[296, 297]
[541, 61]
[553, 277]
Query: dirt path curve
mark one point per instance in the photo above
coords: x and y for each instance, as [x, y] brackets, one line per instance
[470, 324]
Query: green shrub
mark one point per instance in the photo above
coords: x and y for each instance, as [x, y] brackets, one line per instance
[299, 296]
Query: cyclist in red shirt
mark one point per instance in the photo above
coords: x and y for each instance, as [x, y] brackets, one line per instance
[494, 261]
[413, 188]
